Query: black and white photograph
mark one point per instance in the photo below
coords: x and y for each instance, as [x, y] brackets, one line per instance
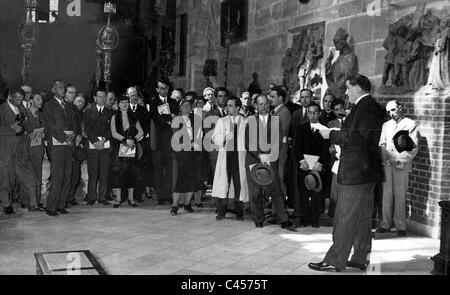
[204, 141]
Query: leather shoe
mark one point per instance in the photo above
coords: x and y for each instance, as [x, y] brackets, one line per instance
[240, 218]
[315, 226]
[259, 225]
[51, 213]
[73, 203]
[9, 210]
[104, 202]
[174, 211]
[401, 233]
[288, 225]
[90, 203]
[351, 264]
[382, 230]
[322, 266]
[63, 211]
[219, 218]
[34, 209]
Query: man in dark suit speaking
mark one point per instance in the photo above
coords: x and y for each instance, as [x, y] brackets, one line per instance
[359, 170]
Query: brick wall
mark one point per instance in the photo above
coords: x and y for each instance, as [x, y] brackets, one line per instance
[270, 23]
[429, 181]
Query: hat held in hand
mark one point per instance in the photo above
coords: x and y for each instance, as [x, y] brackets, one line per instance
[262, 174]
[313, 181]
[403, 142]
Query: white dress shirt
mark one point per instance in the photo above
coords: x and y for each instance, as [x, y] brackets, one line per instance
[133, 107]
[163, 99]
[264, 119]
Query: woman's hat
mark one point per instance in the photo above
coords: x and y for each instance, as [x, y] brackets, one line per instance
[403, 142]
[313, 181]
[262, 174]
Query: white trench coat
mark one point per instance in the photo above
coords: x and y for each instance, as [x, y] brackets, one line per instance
[221, 188]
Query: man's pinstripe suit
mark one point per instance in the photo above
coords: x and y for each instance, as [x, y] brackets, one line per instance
[359, 170]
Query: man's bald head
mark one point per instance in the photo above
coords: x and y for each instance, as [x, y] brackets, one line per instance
[132, 95]
[28, 91]
[262, 104]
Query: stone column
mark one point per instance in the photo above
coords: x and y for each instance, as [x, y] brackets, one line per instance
[441, 260]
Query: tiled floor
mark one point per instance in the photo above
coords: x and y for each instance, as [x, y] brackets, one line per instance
[148, 240]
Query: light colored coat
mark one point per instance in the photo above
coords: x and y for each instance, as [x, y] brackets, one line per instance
[221, 188]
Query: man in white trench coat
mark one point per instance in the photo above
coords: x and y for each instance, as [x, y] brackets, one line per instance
[230, 179]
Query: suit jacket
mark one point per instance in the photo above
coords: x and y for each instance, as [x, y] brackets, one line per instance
[309, 143]
[214, 112]
[292, 107]
[14, 150]
[253, 141]
[285, 122]
[143, 116]
[297, 119]
[57, 120]
[360, 161]
[162, 123]
[96, 125]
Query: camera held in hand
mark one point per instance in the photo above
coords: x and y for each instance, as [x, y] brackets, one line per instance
[20, 120]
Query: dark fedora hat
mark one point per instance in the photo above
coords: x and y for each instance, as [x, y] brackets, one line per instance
[313, 181]
[262, 174]
[403, 142]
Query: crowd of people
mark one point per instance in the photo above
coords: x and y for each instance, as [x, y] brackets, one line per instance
[263, 153]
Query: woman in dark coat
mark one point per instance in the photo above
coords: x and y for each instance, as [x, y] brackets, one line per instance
[187, 155]
[126, 132]
[34, 126]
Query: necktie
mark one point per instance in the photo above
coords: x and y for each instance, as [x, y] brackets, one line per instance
[134, 108]
[100, 111]
[63, 104]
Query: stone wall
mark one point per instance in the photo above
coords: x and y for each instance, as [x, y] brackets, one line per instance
[271, 26]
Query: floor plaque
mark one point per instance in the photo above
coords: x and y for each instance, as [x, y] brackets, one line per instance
[79, 262]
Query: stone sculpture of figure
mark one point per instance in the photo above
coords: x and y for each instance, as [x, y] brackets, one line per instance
[394, 59]
[416, 59]
[439, 69]
[345, 65]
[390, 44]
[313, 54]
[399, 75]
